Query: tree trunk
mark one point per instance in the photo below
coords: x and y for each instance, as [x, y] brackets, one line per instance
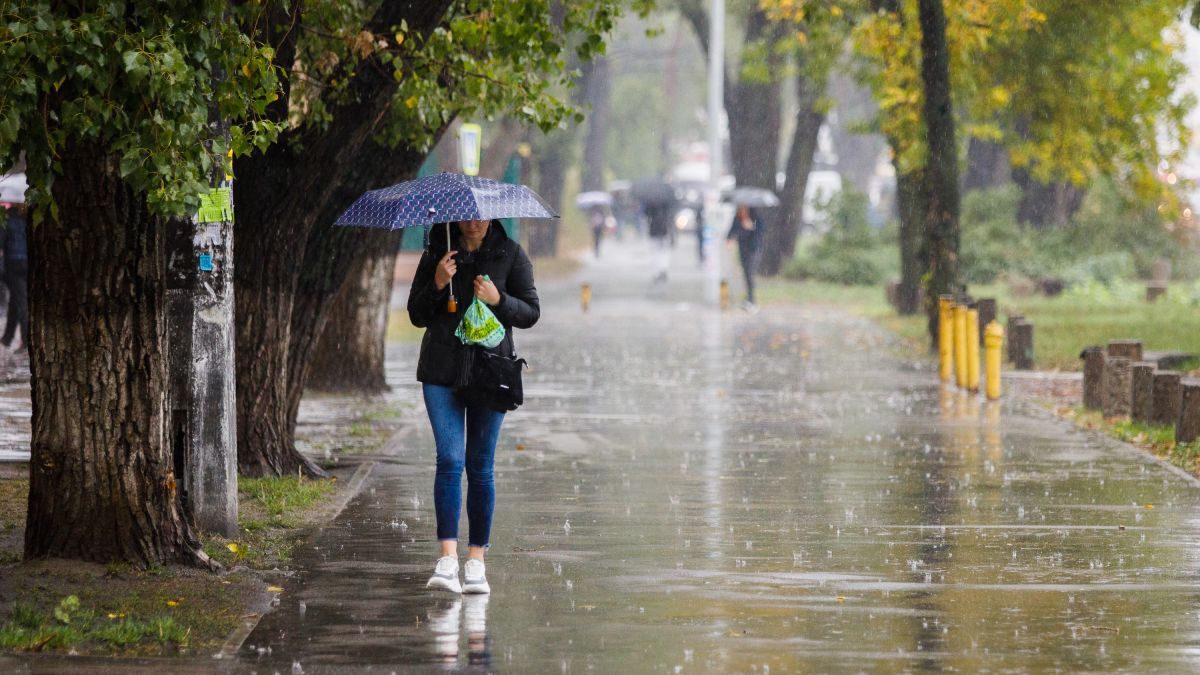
[102, 486]
[1045, 205]
[941, 168]
[598, 97]
[788, 218]
[987, 166]
[911, 203]
[499, 149]
[754, 114]
[285, 207]
[551, 159]
[349, 356]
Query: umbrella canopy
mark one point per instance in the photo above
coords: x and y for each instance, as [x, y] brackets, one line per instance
[587, 200]
[12, 188]
[443, 198]
[653, 192]
[754, 196]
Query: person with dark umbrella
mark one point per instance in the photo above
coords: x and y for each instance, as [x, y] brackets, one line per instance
[747, 229]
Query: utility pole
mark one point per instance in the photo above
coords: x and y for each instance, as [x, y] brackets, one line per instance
[716, 105]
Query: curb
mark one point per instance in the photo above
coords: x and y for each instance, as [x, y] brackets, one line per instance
[233, 643]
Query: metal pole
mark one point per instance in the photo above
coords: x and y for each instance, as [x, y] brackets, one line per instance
[716, 106]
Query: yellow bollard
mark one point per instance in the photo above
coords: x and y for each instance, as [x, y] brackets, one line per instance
[993, 338]
[724, 294]
[960, 345]
[945, 338]
[585, 295]
[972, 350]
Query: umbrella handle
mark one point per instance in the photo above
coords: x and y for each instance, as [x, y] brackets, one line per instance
[451, 304]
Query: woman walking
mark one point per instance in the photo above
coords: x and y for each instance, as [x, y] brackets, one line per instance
[479, 260]
[747, 229]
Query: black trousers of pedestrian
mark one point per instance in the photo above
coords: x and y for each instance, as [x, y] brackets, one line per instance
[749, 259]
[16, 278]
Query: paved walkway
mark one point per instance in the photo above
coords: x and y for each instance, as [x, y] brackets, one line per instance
[694, 491]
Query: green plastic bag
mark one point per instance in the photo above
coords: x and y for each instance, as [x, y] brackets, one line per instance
[479, 326]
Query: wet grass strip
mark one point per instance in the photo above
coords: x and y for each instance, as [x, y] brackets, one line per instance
[1159, 440]
[1063, 325]
[271, 513]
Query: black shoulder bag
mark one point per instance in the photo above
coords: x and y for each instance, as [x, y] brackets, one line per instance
[492, 380]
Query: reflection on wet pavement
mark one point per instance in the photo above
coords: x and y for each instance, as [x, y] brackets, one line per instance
[691, 491]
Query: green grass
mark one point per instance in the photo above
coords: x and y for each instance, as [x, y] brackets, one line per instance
[1063, 325]
[280, 496]
[271, 513]
[70, 626]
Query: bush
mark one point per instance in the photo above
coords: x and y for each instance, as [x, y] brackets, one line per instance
[850, 251]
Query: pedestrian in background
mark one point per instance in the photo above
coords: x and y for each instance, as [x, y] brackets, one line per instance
[747, 229]
[597, 221]
[479, 260]
[660, 216]
[16, 273]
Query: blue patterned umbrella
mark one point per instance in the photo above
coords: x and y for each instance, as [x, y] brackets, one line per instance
[443, 198]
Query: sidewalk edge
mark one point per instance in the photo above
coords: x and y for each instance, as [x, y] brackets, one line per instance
[233, 643]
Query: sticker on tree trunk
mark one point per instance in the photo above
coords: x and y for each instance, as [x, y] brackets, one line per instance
[216, 206]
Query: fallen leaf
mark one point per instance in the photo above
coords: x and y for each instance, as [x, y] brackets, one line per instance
[274, 589]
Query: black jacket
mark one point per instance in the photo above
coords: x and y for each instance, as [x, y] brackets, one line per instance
[749, 241]
[509, 269]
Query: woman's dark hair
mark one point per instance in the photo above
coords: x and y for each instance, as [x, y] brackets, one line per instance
[437, 236]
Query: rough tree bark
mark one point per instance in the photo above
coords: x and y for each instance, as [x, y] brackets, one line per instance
[785, 221]
[286, 204]
[941, 167]
[349, 356]
[1045, 205]
[911, 201]
[102, 486]
[754, 111]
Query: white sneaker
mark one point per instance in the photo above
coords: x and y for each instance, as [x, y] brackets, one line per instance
[473, 577]
[445, 575]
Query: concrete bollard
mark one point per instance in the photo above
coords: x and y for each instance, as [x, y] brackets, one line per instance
[585, 296]
[972, 350]
[1013, 320]
[1168, 396]
[1093, 378]
[1022, 339]
[960, 345]
[1187, 429]
[987, 314]
[1141, 407]
[945, 338]
[1117, 387]
[993, 338]
[1129, 349]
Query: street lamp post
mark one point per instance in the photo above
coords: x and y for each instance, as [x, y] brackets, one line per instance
[716, 103]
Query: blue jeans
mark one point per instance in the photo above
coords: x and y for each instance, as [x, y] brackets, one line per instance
[466, 438]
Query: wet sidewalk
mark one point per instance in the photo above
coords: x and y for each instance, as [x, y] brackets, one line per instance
[687, 490]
